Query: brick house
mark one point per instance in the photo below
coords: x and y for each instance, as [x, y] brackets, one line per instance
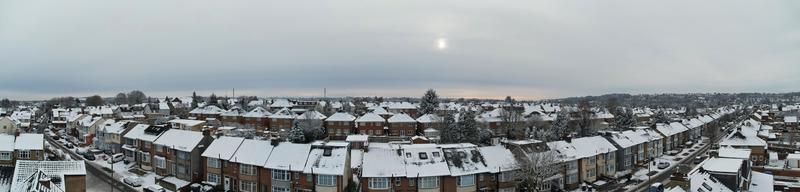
[258, 118]
[371, 124]
[282, 119]
[339, 125]
[177, 153]
[402, 125]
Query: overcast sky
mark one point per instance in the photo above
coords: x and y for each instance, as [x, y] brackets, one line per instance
[526, 49]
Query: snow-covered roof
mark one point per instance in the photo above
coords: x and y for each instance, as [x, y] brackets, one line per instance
[465, 160]
[281, 103]
[29, 141]
[341, 116]
[6, 142]
[182, 140]
[292, 156]
[401, 105]
[114, 127]
[424, 160]
[283, 113]
[401, 118]
[223, 147]
[234, 112]
[621, 139]
[636, 137]
[210, 109]
[186, 122]
[592, 146]
[723, 165]
[743, 136]
[761, 182]
[429, 118]
[253, 152]
[24, 170]
[790, 119]
[498, 158]
[257, 112]
[138, 133]
[356, 158]
[312, 115]
[332, 164]
[704, 180]
[383, 162]
[379, 110]
[566, 151]
[730, 152]
[370, 117]
[357, 138]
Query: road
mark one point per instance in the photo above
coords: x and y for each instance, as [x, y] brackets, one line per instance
[96, 178]
[688, 161]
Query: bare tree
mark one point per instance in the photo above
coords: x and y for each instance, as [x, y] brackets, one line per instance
[537, 169]
[513, 123]
[120, 99]
[584, 118]
[94, 100]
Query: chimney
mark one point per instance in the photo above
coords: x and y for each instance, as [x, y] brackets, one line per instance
[568, 139]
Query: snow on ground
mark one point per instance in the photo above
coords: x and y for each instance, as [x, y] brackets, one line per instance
[121, 171]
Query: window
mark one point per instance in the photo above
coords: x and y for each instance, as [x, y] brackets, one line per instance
[506, 176]
[5, 156]
[466, 180]
[398, 182]
[247, 169]
[412, 181]
[610, 168]
[592, 161]
[379, 183]
[590, 173]
[159, 148]
[480, 177]
[572, 178]
[627, 162]
[428, 182]
[181, 169]
[280, 175]
[160, 163]
[24, 154]
[214, 178]
[408, 155]
[627, 151]
[423, 155]
[326, 180]
[247, 186]
[145, 157]
[572, 165]
[213, 163]
[309, 177]
[436, 154]
[279, 189]
[183, 155]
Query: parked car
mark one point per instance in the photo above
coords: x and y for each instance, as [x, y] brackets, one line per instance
[699, 159]
[116, 158]
[656, 187]
[89, 156]
[133, 181]
[69, 145]
[154, 188]
[663, 165]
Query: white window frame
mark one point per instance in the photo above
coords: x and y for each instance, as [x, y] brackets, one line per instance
[326, 180]
[246, 169]
[428, 182]
[247, 186]
[506, 176]
[280, 175]
[379, 183]
[160, 162]
[24, 154]
[214, 178]
[466, 180]
[279, 189]
[5, 155]
[213, 163]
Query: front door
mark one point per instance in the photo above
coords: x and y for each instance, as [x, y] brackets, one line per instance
[227, 183]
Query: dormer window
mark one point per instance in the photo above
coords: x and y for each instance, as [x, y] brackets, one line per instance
[408, 155]
[436, 154]
[423, 155]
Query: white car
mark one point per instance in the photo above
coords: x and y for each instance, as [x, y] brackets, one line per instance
[663, 165]
[133, 181]
[116, 158]
[154, 188]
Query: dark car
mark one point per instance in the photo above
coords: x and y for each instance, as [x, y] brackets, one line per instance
[89, 156]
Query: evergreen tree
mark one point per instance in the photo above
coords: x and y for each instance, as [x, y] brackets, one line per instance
[468, 127]
[195, 99]
[429, 102]
[560, 126]
[449, 132]
[212, 100]
[297, 135]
